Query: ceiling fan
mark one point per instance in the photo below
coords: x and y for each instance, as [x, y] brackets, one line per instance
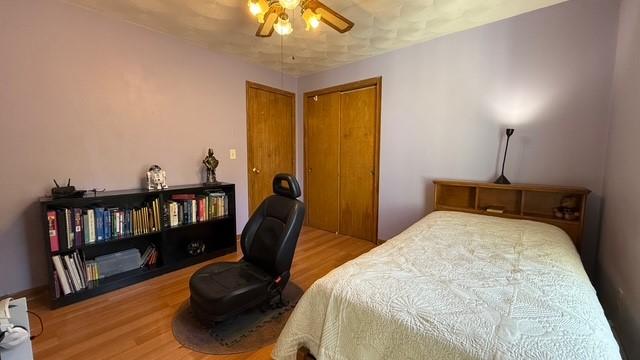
[272, 15]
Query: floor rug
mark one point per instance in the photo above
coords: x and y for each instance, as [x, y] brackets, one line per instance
[249, 331]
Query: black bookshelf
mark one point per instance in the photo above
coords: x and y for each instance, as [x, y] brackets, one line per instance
[218, 234]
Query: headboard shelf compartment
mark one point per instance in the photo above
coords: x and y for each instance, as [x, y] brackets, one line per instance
[517, 201]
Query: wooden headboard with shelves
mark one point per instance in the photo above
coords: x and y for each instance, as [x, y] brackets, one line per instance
[520, 201]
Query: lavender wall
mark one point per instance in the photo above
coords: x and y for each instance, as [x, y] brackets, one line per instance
[620, 245]
[445, 104]
[99, 100]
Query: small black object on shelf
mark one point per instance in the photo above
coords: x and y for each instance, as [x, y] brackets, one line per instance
[503, 179]
[68, 191]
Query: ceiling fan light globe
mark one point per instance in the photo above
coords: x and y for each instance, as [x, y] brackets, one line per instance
[311, 19]
[258, 8]
[289, 4]
[254, 8]
[283, 26]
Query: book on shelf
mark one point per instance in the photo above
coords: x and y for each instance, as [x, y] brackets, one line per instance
[185, 209]
[53, 231]
[73, 274]
[77, 226]
[91, 215]
[61, 230]
[495, 209]
[149, 257]
[56, 285]
[72, 228]
[69, 273]
[91, 269]
[69, 226]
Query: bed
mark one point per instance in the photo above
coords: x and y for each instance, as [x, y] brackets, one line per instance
[455, 286]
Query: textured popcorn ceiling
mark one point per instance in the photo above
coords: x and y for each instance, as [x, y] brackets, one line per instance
[380, 26]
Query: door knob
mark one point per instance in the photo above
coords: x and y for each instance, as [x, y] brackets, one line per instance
[256, 170]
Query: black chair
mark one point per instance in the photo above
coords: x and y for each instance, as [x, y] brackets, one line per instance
[222, 290]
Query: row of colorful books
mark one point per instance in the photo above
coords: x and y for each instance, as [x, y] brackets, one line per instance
[185, 209]
[72, 228]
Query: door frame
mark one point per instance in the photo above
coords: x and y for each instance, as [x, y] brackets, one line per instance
[356, 85]
[253, 85]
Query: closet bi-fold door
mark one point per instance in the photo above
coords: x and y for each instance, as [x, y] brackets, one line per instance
[358, 121]
[322, 160]
[342, 132]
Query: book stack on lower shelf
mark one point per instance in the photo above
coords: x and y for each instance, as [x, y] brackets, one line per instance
[70, 274]
[73, 274]
[150, 257]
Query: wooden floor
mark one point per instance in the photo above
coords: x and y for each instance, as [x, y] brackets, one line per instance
[135, 322]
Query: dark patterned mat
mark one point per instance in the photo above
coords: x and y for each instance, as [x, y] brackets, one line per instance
[249, 331]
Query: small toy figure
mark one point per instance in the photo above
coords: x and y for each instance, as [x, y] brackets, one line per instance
[568, 208]
[156, 178]
[211, 163]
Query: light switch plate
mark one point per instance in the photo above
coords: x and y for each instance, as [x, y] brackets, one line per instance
[232, 154]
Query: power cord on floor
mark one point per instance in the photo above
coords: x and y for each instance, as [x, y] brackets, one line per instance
[41, 324]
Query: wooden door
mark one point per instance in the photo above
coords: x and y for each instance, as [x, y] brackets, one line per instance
[270, 139]
[342, 146]
[322, 149]
[358, 161]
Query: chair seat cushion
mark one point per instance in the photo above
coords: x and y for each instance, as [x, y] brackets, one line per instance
[224, 289]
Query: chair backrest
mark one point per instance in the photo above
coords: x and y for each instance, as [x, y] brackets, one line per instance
[269, 239]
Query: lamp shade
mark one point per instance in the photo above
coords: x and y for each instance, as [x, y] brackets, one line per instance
[311, 19]
[289, 4]
[283, 26]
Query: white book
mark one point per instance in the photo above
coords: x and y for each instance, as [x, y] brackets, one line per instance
[194, 211]
[74, 277]
[173, 211]
[76, 272]
[64, 282]
[88, 272]
[80, 268]
[70, 226]
[118, 223]
[92, 225]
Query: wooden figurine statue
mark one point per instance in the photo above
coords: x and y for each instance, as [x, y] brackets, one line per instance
[211, 163]
[156, 178]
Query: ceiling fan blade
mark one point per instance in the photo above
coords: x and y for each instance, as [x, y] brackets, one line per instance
[266, 28]
[328, 16]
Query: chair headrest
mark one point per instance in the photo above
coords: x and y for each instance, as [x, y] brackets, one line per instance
[292, 188]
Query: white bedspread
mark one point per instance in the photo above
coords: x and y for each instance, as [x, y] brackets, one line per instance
[456, 286]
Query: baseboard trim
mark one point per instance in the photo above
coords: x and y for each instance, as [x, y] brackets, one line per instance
[30, 294]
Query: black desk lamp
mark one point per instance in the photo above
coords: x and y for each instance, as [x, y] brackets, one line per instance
[503, 179]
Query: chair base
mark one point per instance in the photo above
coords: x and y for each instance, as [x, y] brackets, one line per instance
[222, 290]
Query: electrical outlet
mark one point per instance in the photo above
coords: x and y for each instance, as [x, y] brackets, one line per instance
[232, 154]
